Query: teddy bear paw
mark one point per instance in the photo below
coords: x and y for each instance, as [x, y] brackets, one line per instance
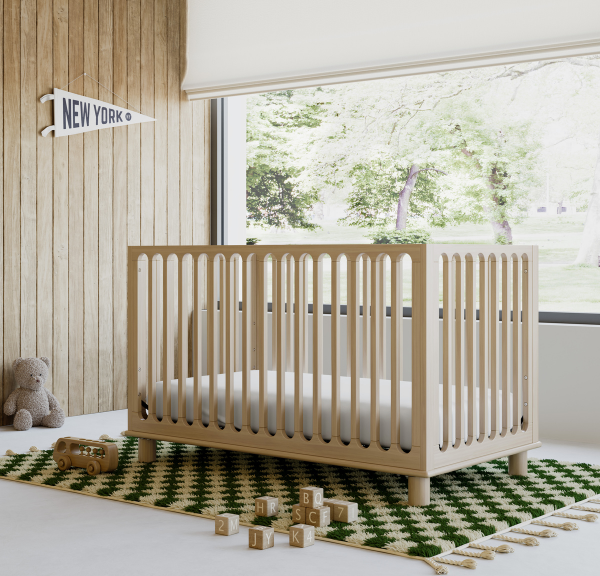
[55, 419]
[23, 420]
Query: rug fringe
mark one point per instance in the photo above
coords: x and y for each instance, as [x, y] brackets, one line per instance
[586, 508]
[502, 549]
[439, 569]
[542, 534]
[485, 555]
[584, 517]
[526, 541]
[466, 563]
[561, 525]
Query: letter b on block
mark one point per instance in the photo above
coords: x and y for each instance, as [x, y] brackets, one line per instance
[311, 497]
[302, 535]
[227, 524]
[261, 537]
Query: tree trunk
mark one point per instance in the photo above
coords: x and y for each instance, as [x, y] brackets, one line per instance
[589, 251]
[404, 197]
[502, 229]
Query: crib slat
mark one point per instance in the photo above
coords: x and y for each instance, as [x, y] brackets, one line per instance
[483, 347]
[317, 342]
[458, 355]
[151, 340]
[197, 353]
[305, 318]
[516, 342]
[382, 315]
[168, 344]
[527, 341]
[396, 347]
[471, 346]
[505, 342]
[247, 329]
[335, 347]
[366, 313]
[274, 312]
[375, 349]
[494, 347]
[289, 316]
[299, 326]
[449, 283]
[280, 334]
[212, 342]
[222, 315]
[348, 341]
[228, 310]
[354, 358]
[182, 338]
[237, 357]
[262, 341]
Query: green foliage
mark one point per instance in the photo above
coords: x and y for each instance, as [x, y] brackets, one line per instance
[406, 236]
[252, 241]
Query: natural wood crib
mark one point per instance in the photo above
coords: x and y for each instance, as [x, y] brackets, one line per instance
[232, 347]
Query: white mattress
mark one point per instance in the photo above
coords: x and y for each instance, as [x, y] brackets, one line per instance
[345, 388]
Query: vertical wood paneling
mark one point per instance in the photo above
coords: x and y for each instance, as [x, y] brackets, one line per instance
[120, 209]
[12, 188]
[28, 179]
[90, 217]
[105, 213]
[60, 229]
[72, 205]
[173, 98]
[44, 185]
[160, 129]
[76, 217]
[147, 129]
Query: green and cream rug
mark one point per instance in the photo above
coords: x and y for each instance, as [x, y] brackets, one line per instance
[465, 505]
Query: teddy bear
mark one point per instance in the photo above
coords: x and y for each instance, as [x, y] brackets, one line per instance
[31, 403]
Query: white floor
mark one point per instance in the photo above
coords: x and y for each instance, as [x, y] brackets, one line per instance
[48, 532]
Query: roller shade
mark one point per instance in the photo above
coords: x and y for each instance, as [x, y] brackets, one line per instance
[242, 47]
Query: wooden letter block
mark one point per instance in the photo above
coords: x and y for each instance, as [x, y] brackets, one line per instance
[261, 537]
[302, 535]
[318, 517]
[330, 503]
[266, 506]
[311, 497]
[298, 514]
[227, 524]
[344, 511]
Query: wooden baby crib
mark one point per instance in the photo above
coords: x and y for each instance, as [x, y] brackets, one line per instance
[233, 347]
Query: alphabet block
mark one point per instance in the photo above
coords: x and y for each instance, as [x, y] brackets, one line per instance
[227, 524]
[298, 514]
[302, 535]
[318, 517]
[344, 511]
[261, 537]
[311, 497]
[330, 502]
[266, 506]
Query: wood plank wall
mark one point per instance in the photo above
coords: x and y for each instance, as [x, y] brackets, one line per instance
[72, 205]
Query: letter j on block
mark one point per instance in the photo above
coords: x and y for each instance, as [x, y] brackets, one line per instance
[227, 524]
[311, 497]
[302, 535]
[266, 506]
[261, 537]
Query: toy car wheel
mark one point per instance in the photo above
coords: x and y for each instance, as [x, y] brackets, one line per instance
[64, 463]
[93, 468]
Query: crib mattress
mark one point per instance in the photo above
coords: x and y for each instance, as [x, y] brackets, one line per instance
[345, 398]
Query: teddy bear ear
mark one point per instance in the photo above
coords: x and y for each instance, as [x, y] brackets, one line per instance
[45, 360]
[17, 362]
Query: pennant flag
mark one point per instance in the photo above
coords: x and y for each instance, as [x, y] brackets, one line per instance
[74, 114]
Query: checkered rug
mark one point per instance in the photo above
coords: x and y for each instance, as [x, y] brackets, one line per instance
[465, 505]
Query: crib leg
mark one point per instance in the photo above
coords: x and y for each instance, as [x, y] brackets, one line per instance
[146, 450]
[517, 464]
[418, 491]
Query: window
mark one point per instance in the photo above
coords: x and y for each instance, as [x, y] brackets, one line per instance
[504, 154]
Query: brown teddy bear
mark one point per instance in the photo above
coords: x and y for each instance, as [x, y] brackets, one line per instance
[31, 403]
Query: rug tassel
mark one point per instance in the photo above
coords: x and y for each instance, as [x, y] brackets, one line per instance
[526, 541]
[439, 569]
[485, 555]
[466, 563]
[502, 549]
[584, 517]
[594, 500]
[10, 453]
[543, 534]
[561, 526]
[586, 509]
[34, 449]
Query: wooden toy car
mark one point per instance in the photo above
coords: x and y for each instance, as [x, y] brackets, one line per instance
[94, 455]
